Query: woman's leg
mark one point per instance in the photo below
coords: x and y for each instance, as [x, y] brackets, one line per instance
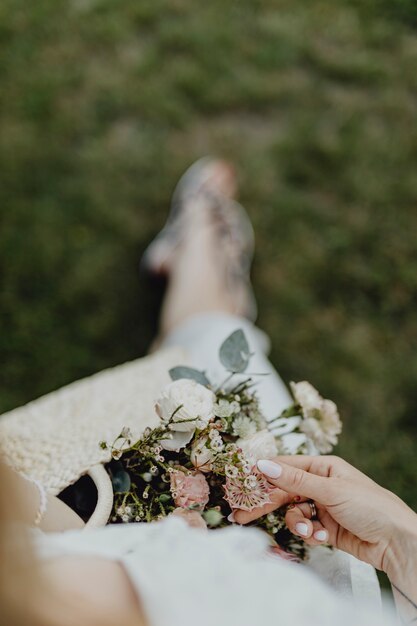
[206, 301]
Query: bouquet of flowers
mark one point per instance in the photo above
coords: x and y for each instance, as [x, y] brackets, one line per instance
[202, 456]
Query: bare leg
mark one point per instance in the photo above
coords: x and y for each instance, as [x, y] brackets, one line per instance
[197, 279]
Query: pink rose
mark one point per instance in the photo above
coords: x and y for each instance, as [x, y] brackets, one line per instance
[189, 489]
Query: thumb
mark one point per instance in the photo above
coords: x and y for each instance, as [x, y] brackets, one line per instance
[295, 480]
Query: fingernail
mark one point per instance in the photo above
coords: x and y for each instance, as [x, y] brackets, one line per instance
[231, 517]
[270, 469]
[302, 529]
[320, 535]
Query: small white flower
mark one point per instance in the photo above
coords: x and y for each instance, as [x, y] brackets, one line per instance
[231, 471]
[243, 427]
[217, 444]
[126, 433]
[125, 518]
[251, 482]
[224, 408]
[246, 467]
[213, 434]
[201, 456]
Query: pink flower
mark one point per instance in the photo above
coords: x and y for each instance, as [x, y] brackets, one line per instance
[247, 493]
[189, 489]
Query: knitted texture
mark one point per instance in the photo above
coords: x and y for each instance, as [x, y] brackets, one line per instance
[55, 439]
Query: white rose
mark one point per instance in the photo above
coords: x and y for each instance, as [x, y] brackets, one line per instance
[187, 405]
[261, 445]
[201, 456]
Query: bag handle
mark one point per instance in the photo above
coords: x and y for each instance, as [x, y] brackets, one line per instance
[105, 497]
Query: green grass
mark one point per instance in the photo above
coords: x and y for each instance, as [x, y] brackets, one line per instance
[103, 106]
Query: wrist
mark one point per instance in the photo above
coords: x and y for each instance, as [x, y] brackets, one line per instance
[400, 562]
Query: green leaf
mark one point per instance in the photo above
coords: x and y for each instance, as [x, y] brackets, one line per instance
[121, 482]
[234, 352]
[182, 371]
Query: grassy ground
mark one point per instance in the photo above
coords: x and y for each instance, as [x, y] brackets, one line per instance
[103, 106]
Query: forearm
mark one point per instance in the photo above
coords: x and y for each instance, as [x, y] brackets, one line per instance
[402, 570]
[56, 515]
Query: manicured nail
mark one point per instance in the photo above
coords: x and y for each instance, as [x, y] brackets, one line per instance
[321, 535]
[231, 517]
[270, 469]
[301, 529]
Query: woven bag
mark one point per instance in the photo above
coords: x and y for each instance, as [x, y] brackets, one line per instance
[55, 439]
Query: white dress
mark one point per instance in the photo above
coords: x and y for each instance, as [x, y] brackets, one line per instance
[190, 577]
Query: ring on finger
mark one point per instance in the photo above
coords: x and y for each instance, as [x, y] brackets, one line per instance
[313, 509]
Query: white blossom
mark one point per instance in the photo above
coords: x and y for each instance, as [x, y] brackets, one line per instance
[231, 471]
[186, 405]
[321, 423]
[243, 427]
[201, 456]
[217, 444]
[251, 482]
[307, 397]
[224, 408]
[323, 432]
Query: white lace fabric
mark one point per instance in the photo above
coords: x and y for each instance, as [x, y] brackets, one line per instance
[188, 577]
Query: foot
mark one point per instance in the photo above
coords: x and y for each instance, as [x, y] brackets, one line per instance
[206, 248]
[207, 175]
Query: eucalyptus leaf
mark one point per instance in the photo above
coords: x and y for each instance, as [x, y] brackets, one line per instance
[121, 482]
[234, 352]
[182, 371]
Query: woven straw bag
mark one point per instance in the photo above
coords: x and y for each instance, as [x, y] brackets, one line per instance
[55, 439]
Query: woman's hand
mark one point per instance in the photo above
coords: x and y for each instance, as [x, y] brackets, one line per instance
[353, 512]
